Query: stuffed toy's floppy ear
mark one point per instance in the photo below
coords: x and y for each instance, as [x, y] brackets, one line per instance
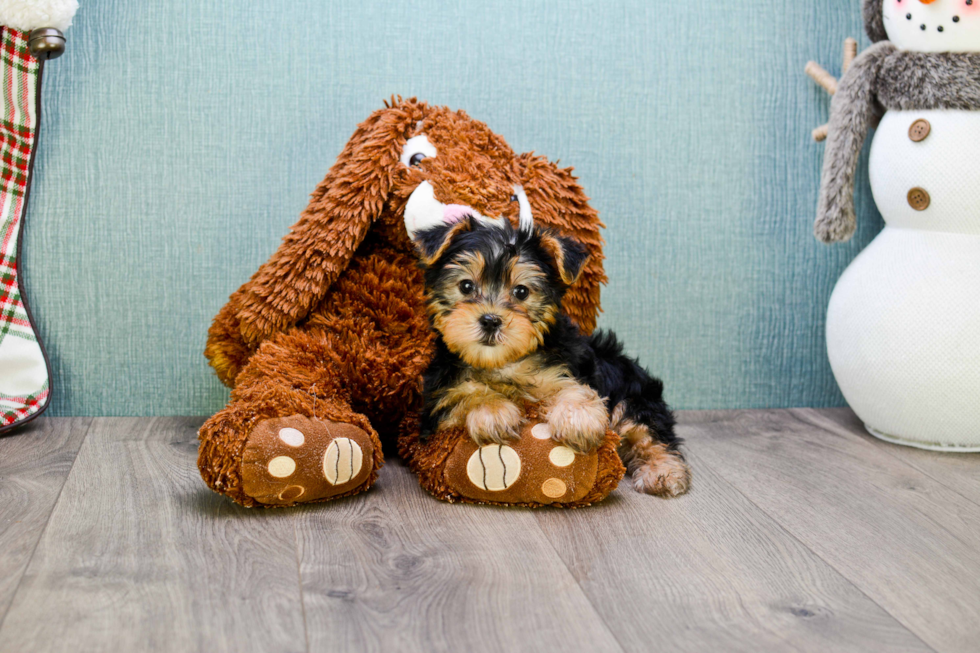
[432, 242]
[560, 204]
[320, 245]
[569, 256]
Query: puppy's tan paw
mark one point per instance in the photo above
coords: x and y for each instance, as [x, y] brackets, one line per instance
[666, 475]
[579, 421]
[494, 423]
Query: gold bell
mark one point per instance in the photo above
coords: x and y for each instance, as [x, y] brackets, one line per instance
[46, 43]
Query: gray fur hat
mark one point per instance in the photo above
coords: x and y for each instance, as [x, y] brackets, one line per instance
[873, 23]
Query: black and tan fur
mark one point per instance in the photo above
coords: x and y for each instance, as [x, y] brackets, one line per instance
[493, 294]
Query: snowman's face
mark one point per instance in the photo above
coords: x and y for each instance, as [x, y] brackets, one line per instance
[933, 25]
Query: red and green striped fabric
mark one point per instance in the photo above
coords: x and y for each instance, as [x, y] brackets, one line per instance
[24, 389]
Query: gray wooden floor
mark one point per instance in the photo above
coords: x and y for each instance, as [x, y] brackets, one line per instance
[801, 533]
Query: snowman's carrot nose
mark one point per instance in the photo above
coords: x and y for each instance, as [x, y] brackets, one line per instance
[927, 2]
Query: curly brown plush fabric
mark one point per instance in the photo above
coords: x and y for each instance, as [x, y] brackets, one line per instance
[333, 326]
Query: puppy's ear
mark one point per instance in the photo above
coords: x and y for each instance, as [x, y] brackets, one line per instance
[321, 244]
[568, 255]
[560, 204]
[431, 243]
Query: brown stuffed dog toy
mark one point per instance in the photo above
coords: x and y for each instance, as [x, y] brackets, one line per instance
[325, 345]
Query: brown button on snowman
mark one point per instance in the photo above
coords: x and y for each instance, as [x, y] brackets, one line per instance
[919, 130]
[903, 324]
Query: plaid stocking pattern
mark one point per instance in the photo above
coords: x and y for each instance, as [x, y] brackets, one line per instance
[24, 374]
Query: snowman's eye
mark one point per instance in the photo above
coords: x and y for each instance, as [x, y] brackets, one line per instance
[956, 19]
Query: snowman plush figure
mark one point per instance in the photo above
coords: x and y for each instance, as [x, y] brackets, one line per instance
[903, 324]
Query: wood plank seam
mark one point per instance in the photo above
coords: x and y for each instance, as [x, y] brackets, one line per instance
[791, 535]
[839, 572]
[927, 474]
[299, 580]
[139, 553]
[742, 590]
[397, 568]
[47, 521]
[585, 593]
[888, 448]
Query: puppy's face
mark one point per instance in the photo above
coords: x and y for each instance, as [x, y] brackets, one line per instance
[492, 291]
[411, 167]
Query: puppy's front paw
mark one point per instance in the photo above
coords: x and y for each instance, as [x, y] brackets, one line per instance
[664, 474]
[579, 422]
[494, 422]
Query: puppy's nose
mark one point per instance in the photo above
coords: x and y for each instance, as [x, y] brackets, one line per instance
[490, 322]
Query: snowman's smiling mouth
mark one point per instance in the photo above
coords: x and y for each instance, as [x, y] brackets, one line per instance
[924, 26]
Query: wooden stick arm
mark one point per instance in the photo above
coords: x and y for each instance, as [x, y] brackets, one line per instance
[850, 53]
[828, 82]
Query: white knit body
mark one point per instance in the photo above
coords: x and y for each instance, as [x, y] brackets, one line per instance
[903, 324]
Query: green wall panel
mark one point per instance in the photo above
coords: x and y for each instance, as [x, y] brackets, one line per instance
[182, 138]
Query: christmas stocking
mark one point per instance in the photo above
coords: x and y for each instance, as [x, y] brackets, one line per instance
[24, 368]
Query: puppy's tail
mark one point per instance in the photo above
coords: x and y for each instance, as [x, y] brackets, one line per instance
[649, 446]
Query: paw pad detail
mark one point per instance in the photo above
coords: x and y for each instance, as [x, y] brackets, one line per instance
[561, 457]
[342, 461]
[292, 437]
[292, 493]
[553, 488]
[494, 467]
[541, 432]
[296, 459]
[282, 466]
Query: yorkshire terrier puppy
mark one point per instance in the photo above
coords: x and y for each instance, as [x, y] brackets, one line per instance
[494, 296]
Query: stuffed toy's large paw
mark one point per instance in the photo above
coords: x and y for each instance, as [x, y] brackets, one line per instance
[296, 459]
[283, 461]
[532, 471]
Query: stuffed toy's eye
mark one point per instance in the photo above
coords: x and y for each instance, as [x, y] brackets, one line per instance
[416, 149]
[466, 286]
[513, 198]
[520, 292]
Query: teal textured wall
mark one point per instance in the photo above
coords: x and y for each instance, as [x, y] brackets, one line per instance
[182, 138]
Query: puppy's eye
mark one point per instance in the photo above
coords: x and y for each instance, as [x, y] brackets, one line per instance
[520, 293]
[466, 287]
[416, 159]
